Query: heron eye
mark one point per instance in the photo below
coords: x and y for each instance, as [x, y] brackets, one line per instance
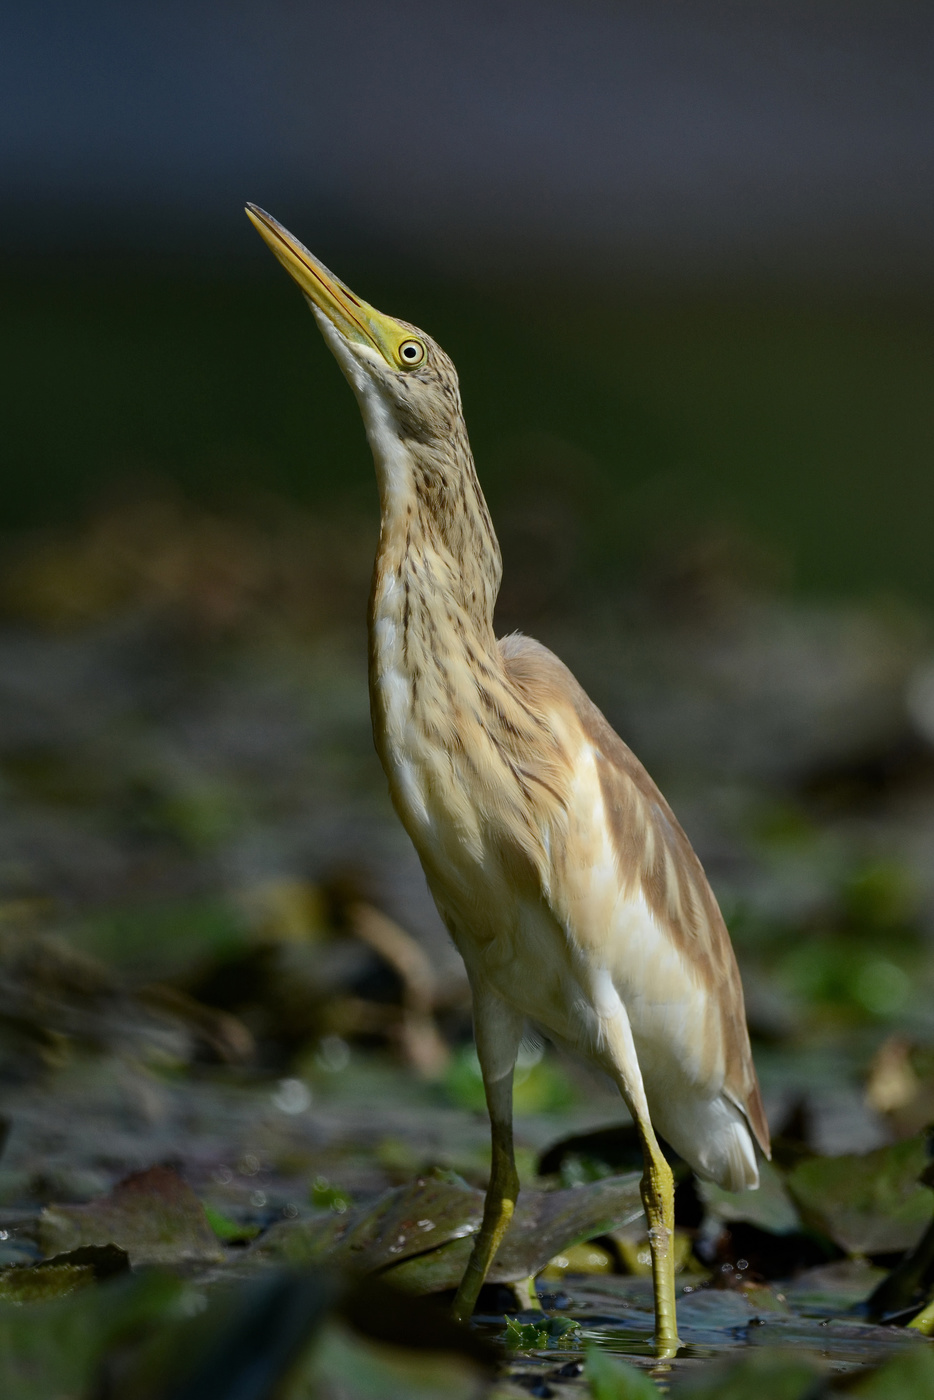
[411, 353]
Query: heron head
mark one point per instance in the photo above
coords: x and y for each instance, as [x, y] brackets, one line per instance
[405, 383]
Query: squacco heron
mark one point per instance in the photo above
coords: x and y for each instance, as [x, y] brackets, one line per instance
[572, 893]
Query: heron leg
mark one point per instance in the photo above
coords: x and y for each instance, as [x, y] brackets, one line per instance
[658, 1201]
[498, 1030]
[658, 1189]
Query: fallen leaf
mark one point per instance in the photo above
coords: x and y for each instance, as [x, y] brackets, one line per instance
[153, 1215]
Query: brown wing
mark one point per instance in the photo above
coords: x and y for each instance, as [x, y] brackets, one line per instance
[652, 847]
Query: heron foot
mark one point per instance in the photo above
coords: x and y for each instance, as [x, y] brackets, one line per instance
[498, 1209]
[497, 1214]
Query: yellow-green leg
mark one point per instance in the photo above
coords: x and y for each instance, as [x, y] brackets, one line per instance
[658, 1200]
[658, 1187]
[498, 1031]
[924, 1322]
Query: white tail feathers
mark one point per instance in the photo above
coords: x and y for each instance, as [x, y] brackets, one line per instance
[715, 1138]
[739, 1170]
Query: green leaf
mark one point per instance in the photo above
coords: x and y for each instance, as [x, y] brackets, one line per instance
[357, 1368]
[229, 1230]
[769, 1374]
[525, 1336]
[556, 1333]
[906, 1377]
[56, 1349]
[611, 1379]
[38, 1285]
[869, 1204]
[328, 1197]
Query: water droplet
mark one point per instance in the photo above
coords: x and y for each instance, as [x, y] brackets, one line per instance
[333, 1054]
[292, 1096]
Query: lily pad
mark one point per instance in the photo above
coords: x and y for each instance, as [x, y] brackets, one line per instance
[297, 1242]
[152, 1215]
[833, 1288]
[548, 1221]
[868, 1204]
[545, 1222]
[851, 1343]
[407, 1220]
[420, 1234]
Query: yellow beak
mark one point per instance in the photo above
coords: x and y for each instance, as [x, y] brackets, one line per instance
[355, 319]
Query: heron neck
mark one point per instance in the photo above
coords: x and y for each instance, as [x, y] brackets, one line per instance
[435, 581]
[436, 535]
[435, 577]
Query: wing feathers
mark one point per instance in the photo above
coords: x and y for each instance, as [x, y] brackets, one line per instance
[654, 857]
